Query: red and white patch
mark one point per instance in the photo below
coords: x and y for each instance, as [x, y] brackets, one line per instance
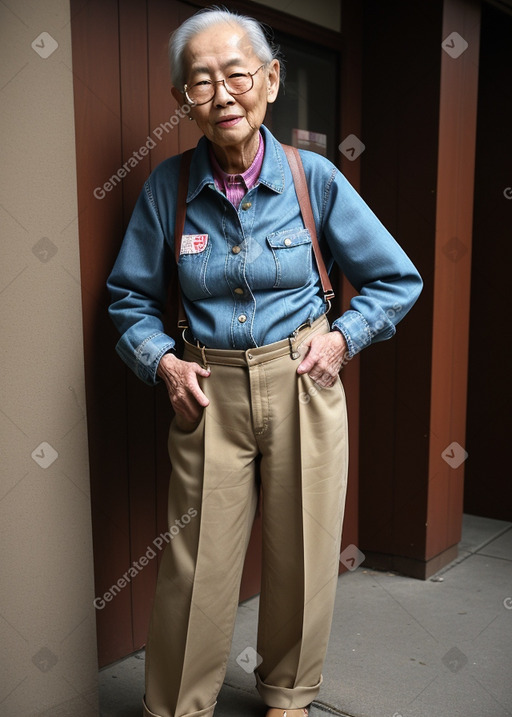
[193, 243]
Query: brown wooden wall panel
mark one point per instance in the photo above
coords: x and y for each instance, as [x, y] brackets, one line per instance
[456, 169]
[99, 155]
[141, 429]
[400, 120]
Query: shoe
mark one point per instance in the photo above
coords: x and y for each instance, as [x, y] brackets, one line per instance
[285, 713]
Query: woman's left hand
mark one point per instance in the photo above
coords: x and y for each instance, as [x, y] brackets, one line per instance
[324, 358]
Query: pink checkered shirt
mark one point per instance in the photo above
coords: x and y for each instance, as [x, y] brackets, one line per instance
[235, 186]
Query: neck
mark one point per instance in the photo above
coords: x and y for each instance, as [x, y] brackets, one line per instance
[236, 159]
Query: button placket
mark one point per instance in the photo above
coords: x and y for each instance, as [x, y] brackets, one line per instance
[243, 301]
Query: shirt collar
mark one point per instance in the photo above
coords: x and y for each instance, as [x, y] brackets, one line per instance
[249, 177]
[271, 173]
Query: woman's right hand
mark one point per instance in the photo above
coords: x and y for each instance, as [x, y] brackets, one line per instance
[180, 377]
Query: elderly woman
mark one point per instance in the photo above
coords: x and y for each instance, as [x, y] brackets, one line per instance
[258, 402]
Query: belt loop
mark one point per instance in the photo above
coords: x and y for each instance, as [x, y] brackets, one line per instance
[203, 356]
[294, 354]
[202, 349]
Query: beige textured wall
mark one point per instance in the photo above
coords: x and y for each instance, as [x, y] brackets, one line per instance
[47, 621]
[321, 12]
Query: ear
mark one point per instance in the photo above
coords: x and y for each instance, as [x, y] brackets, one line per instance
[273, 81]
[178, 96]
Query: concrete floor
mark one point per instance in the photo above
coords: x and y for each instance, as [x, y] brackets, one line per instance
[399, 647]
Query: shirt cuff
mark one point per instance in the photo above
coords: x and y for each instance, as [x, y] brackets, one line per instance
[145, 358]
[356, 330]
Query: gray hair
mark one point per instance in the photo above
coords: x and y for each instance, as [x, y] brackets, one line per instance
[202, 20]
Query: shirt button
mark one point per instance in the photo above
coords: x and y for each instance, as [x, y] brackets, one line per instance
[287, 241]
[236, 249]
[242, 318]
[246, 205]
[238, 290]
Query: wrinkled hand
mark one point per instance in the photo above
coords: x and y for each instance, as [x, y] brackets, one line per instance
[180, 377]
[324, 357]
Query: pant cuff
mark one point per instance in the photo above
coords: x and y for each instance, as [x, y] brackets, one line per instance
[207, 712]
[285, 698]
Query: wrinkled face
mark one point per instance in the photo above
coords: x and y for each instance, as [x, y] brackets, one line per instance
[218, 53]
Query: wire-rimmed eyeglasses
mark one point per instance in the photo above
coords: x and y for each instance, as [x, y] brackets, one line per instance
[203, 91]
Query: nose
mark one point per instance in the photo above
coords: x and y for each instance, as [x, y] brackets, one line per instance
[222, 97]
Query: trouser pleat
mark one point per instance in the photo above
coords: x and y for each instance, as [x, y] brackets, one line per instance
[199, 578]
[303, 499]
[265, 412]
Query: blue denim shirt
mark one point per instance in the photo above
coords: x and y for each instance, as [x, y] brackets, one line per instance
[253, 279]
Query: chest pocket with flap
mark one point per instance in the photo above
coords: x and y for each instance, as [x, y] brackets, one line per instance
[291, 249]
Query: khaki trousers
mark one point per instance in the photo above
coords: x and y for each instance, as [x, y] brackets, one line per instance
[263, 420]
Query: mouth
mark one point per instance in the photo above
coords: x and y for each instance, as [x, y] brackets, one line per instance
[228, 121]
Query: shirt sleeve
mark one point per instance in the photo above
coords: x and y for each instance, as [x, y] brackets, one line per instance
[386, 280]
[138, 286]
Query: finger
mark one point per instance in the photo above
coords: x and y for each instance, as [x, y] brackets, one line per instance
[193, 388]
[199, 396]
[309, 361]
[187, 406]
[200, 370]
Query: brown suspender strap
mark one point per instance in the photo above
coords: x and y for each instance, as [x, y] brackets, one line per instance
[301, 188]
[181, 210]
